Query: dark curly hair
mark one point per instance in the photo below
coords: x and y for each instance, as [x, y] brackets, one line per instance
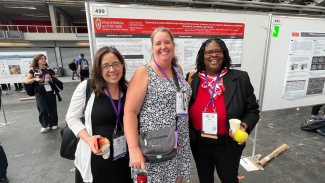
[200, 55]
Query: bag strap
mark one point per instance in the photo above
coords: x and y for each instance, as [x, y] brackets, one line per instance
[178, 88]
[88, 94]
[189, 77]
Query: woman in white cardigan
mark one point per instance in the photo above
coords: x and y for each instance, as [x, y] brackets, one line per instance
[103, 118]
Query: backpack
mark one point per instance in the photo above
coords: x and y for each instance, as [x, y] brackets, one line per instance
[70, 66]
[313, 123]
[84, 64]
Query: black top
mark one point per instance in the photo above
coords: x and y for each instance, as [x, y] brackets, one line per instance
[103, 112]
[39, 73]
[103, 120]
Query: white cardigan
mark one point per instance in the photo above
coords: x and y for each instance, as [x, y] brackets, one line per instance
[75, 111]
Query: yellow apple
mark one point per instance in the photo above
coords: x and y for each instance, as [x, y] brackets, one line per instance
[241, 136]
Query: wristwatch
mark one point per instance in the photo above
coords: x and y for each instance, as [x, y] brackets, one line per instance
[241, 124]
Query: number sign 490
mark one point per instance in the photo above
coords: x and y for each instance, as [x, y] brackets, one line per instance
[99, 11]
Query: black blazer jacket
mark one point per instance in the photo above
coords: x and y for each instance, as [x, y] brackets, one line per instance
[240, 103]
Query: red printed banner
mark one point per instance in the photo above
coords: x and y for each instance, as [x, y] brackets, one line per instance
[177, 27]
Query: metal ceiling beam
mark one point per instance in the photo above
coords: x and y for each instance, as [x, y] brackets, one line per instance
[254, 5]
[61, 12]
[247, 2]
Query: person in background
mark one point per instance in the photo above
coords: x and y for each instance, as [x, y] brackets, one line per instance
[315, 110]
[3, 165]
[229, 94]
[83, 67]
[19, 86]
[3, 160]
[73, 67]
[4, 88]
[41, 75]
[152, 96]
[103, 117]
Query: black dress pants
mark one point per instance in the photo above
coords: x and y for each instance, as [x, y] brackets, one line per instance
[316, 108]
[211, 154]
[46, 105]
[3, 163]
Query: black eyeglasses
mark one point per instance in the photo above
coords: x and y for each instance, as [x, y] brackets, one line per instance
[210, 52]
[115, 65]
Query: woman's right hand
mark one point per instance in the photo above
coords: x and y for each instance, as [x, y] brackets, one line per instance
[91, 141]
[137, 159]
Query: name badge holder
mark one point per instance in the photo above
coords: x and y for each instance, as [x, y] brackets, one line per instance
[119, 140]
[182, 99]
[210, 119]
[46, 84]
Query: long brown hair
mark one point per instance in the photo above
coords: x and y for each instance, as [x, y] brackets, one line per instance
[34, 64]
[163, 29]
[98, 83]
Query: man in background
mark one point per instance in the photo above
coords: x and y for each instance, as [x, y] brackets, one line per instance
[73, 67]
[83, 67]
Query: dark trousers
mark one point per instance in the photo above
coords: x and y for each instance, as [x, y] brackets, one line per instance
[212, 154]
[18, 86]
[74, 73]
[46, 105]
[316, 108]
[3, 163]
[4, 86]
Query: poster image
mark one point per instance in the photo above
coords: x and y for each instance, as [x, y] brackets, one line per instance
[14, 69]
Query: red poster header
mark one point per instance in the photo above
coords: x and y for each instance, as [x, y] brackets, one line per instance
[177, 27]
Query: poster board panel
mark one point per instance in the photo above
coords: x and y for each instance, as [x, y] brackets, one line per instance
[252, 46]
[14, 66]
[281, 53]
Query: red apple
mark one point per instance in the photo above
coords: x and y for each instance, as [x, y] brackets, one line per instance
[102, 142]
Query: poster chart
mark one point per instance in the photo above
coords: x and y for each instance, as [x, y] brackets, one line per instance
[14, 66]
[305, 70]
[132, 38]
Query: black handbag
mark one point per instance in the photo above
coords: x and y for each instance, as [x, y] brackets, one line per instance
[69, 140]
[30, 89]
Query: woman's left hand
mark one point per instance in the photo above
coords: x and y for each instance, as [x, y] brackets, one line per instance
[231, 134]
[48, 76]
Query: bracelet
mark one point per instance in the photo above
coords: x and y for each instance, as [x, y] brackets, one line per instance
[243, 126]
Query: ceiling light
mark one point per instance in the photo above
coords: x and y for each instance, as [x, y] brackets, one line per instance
[36, 15]
[17, 6]
[29, 15]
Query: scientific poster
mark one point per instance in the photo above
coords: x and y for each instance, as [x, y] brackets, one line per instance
[305, 72]
[14, 66]
[132, 38]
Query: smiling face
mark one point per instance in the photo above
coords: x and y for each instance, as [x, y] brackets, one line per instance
[163, 47]
[111, 74]
[213, 63]
[42, 61]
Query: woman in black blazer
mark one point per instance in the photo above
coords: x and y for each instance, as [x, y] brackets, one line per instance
[233, 98]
